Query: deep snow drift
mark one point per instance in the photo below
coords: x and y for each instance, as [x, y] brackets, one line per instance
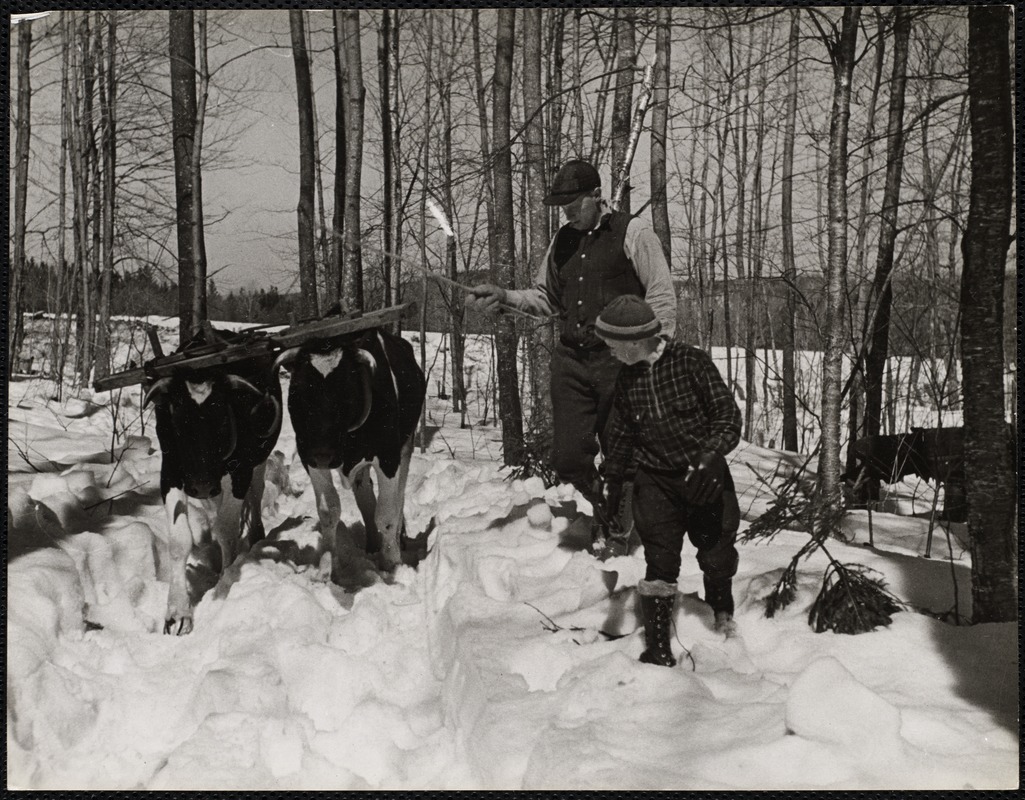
[507, 659]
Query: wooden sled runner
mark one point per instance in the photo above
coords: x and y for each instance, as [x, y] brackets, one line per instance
[251, 343]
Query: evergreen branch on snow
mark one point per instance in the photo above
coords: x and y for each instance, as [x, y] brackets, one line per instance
[850, 600]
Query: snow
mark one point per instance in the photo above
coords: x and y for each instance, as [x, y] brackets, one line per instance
[507, 659]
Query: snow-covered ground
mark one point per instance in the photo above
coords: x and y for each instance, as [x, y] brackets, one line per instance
[507, 659]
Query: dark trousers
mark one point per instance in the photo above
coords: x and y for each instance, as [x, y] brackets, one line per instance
[663, 517]
[582, 385]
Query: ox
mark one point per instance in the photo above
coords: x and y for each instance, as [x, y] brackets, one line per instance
[931, 453]
[216, 428]
[354, 401]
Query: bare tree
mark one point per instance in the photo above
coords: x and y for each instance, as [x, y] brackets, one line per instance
[182, 48]
[384, 71]
[108, 128]
[23, 128]
[787, 211]
[334, 267]
[659, 119]
[988, 463]
[881, 298]
[355, 99]
[505, 242]
[307, 184]
[625, 36]
[540, 345]
[842, 54]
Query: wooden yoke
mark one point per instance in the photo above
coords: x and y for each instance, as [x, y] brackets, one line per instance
[252, 343]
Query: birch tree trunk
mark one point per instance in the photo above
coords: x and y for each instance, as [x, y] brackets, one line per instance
[506, 342]
[334, 269]
[842, 54]
[622, 104]
[539, 349]
[307, 179]
[23, 128]
[988, 462]
[352, 259]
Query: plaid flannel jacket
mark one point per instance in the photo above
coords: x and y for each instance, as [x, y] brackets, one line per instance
[666, 415]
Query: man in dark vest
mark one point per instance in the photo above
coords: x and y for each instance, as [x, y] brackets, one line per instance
[598, 255]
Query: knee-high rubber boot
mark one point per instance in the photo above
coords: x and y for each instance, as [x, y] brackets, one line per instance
[657, 601]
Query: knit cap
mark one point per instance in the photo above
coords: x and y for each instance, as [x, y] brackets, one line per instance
[627, 319]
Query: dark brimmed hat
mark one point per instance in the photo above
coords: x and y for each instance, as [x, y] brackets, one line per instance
[573, 179]
[627, 319]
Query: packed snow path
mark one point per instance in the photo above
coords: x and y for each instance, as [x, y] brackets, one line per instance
[507, 659]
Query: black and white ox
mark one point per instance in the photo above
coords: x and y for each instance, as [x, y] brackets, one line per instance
[216, 428]
[354, 402]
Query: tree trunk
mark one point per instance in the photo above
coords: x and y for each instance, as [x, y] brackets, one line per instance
[23, 127]
[395, 156]
[882, 288]
[842, 53]
[505, 241]
[83, 83]
[659, 120]
[577, 144]
[182, 47]
[352, 262]
[855, 426]
[61, 329]
[388, 211]
[108, 123]
[427, 134]
[622, 104]
[458, 339]
[988, 462]
[196, 169]
[334, 269]
[541, 342]
[307, 179]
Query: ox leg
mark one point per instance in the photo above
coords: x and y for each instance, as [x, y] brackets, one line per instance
[252, 530]
[178, 619]
[366, 502]
[329, 508]
[391, 497]
[230, 524]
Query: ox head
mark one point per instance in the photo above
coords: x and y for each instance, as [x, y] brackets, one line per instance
[330, 398]
[199, 425]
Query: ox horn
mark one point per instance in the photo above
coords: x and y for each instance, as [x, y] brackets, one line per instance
[285, 357]
[241, 384]
[158, 388]
[366, 370]
[274, 426]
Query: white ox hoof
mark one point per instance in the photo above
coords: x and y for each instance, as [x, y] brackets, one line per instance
[178, 626]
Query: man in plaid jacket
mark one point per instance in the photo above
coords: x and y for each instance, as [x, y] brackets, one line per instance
[673, 422]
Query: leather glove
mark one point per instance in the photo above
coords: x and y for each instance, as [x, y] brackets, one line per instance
[704, 482]
[486, 298]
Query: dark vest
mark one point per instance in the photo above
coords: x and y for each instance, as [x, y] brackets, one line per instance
[592, 271]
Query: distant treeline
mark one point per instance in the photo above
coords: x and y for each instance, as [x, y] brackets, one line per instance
[925, 313]
[145, 292]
